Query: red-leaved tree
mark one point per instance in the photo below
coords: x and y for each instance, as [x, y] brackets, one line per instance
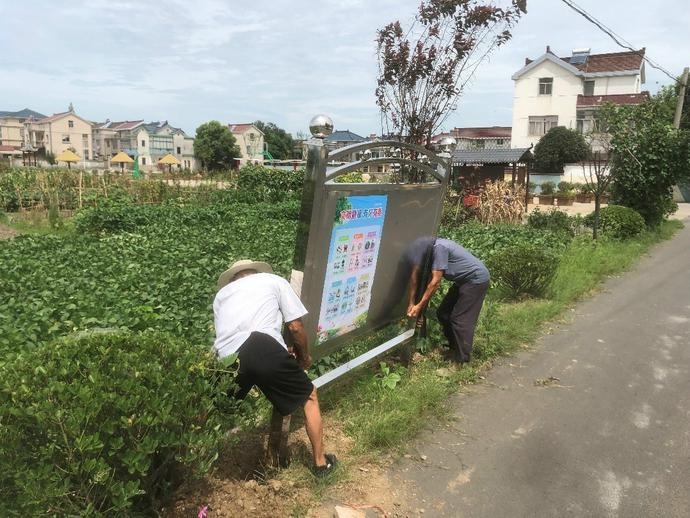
[423, 69]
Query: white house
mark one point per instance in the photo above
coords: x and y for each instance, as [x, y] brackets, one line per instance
[552, 91]
[250, 140]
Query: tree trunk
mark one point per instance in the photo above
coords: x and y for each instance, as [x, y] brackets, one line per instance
[597, 205]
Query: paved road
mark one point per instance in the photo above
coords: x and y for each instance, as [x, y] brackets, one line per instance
[610, 439]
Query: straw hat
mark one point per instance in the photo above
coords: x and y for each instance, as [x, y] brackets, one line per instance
[245, 264]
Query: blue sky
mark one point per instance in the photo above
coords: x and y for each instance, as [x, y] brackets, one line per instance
[276, 60]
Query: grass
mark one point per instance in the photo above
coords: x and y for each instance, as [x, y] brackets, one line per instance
[37, 223]
[380, 418]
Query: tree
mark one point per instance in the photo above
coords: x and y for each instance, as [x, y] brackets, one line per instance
[214, 146]
[649, 155]
[558, 147]
[423, 69]
[280, 143]
[596, 168]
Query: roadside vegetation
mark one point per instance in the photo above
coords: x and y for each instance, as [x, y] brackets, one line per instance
[118, 294]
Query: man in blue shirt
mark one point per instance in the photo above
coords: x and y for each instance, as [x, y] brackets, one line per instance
[459, 310]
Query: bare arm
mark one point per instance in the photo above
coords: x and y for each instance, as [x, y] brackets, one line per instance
[414, 281]
[300, 343]
[434, 283]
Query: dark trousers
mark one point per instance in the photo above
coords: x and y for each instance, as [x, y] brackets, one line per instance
[458, 315]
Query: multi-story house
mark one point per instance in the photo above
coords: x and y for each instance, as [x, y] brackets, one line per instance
[29, 129]
[65, 130]
[12, 125]
[250, 140]
[492, 137]
[111, 137]
[148, 142]
[552, 91]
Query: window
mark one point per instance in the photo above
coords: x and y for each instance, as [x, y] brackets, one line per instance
[65, 138]
[143, 160]
[589, 88]
[179, 152]
[70, 123]
[86, 154]
[545, 85]
[143, 143]
[499, 141]
[539, 126]
[479, 144]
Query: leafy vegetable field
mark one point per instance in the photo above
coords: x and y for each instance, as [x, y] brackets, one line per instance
[160, 274]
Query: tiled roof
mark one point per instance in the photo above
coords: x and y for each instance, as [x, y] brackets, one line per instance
[125, 125]
[611, 62]
[240, 128]
[598, 100]
[6, 148]
[54, 117]
[344, 136]
[118, 125]
[491, 156]
[22, 114]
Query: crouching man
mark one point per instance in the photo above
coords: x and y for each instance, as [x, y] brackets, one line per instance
[249, 311]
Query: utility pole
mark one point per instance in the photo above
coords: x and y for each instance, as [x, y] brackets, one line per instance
[681, 97]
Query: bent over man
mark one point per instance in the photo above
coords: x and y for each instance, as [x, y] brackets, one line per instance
[249, 310]
[459, 310]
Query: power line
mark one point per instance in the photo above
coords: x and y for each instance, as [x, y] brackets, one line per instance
[620, 41]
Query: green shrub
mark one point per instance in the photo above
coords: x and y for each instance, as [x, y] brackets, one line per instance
[565, 187]
[353, 177]
[617, 222]
[258, 183]
[485, 241]
[523, 269]
[547, 188]
[107, 423]
[554, 220]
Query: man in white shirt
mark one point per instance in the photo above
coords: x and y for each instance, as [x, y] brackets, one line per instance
[249, 310]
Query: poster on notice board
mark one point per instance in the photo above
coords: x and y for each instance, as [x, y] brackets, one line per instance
[352, 257]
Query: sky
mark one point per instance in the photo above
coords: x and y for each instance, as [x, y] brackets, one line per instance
[282, 61]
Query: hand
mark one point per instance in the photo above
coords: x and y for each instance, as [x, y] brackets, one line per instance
[414, 311]
[304, 362]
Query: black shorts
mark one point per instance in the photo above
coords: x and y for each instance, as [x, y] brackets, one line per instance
[267, 364]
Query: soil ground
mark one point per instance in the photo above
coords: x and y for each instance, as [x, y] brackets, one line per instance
[7, 232]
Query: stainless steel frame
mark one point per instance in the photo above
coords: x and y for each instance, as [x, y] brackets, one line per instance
[316, 217]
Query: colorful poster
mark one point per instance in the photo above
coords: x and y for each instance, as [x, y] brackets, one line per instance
[352, 256]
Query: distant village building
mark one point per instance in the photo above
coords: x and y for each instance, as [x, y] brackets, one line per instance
[32, 130]
[15, 132]
[147, 142]
[343, 138]
[552, 91]
[488, 137]
[250, 140]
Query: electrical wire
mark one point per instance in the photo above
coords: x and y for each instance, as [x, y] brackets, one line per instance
[620, 41]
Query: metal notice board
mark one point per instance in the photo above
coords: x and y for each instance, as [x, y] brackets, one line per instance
[350, 263]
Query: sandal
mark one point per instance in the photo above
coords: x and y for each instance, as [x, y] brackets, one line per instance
[326, 469]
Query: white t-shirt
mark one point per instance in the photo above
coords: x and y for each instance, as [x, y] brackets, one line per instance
[258, 302]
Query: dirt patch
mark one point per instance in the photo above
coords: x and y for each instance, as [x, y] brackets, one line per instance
[7, 232]
[242, 486]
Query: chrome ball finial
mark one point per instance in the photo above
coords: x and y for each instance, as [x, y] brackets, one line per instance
[321, 126]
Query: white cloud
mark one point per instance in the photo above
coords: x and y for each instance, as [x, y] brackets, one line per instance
[277, 60]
